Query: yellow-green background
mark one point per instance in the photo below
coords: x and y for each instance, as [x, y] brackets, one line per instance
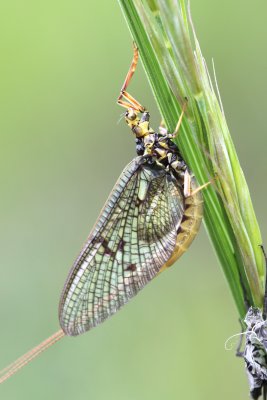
[62, 149]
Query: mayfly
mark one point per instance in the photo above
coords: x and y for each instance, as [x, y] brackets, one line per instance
[149, 220]
[255, 352]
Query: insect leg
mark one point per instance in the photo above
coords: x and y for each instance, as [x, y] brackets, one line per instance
[187, 185]
[174, 134]
[130, 101]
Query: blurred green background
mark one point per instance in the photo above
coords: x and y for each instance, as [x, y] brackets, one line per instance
[62, 149]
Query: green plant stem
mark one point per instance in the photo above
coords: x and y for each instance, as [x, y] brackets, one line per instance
[216, 218]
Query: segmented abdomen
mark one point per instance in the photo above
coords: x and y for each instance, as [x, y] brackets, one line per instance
[190, 224]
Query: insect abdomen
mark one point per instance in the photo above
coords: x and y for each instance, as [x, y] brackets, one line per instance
[189, 226]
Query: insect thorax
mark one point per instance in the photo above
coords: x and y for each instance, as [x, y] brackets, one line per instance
[159, 146]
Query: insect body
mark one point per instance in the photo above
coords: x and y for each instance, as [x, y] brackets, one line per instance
[149, 220]
[255, 352]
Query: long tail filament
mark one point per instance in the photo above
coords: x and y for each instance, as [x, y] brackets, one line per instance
[14, 367]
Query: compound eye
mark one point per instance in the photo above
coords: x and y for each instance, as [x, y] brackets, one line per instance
[131, 115]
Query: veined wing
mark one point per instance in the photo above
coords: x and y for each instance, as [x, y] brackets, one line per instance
[134, 236]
